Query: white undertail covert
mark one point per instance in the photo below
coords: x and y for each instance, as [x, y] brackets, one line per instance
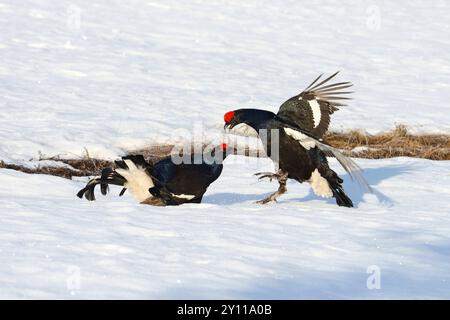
[320, 185]
[138, 181]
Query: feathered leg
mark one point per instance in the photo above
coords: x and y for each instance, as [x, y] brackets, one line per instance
[282, 177]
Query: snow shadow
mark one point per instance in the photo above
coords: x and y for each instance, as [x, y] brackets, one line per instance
[307, 284]
[373, 176]
[227, 198]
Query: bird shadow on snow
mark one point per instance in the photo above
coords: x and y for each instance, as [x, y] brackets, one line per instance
[225, 198]
[373, 176]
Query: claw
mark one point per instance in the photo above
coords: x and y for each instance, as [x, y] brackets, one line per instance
[269, 175]
[281, 177]
[267, 200]
[264, 173]
[266, 176]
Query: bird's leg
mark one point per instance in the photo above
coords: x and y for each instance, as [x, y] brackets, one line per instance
[282, 179]
[270, 175]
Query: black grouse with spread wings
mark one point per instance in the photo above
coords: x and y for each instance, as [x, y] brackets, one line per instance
[300, 152]
[311, 109]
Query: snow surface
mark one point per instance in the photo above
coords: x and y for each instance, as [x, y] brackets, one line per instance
[103, 77]
[54, 245]
[111, 76]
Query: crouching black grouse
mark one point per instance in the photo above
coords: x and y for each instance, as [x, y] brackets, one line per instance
[163, 183]
[293, 140]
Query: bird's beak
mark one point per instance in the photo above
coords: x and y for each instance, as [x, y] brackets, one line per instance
[228, 125]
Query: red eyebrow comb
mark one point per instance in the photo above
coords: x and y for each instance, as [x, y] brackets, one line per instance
[228, 116]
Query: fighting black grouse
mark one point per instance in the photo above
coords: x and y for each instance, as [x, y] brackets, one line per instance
[163, 183]
[292, 138]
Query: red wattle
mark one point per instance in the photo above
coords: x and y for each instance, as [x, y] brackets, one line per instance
[228, 116]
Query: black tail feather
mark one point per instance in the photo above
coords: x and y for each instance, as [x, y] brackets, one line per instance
[121, 164]
[108, 176]
[342, 199]
[104, 188]
[335, 184]
[88, 191]
[334, 181]
[138, 160]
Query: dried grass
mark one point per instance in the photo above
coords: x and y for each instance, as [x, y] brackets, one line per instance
[395, 143]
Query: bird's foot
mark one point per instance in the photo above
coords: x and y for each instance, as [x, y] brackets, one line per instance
[270, 198]
[280, 175]
[273, 197]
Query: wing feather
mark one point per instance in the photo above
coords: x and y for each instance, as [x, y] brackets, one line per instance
[303, 109]
[324, 81]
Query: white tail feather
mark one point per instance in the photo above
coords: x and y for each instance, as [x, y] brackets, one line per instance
[138, 181]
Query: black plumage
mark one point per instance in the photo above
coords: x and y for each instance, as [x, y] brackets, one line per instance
[163, 183]
[312, 108]
[295, 144]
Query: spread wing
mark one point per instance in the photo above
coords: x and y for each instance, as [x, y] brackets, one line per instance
[311, 109]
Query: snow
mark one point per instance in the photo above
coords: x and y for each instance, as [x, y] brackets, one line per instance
[54, 245]
[114, 76]
[84, 78]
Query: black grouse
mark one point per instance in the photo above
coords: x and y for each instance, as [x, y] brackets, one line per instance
[292, 138]
[163, 183]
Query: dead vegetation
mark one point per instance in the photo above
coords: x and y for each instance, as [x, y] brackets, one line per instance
[358, 144]
[80, 168]
[395, 143]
